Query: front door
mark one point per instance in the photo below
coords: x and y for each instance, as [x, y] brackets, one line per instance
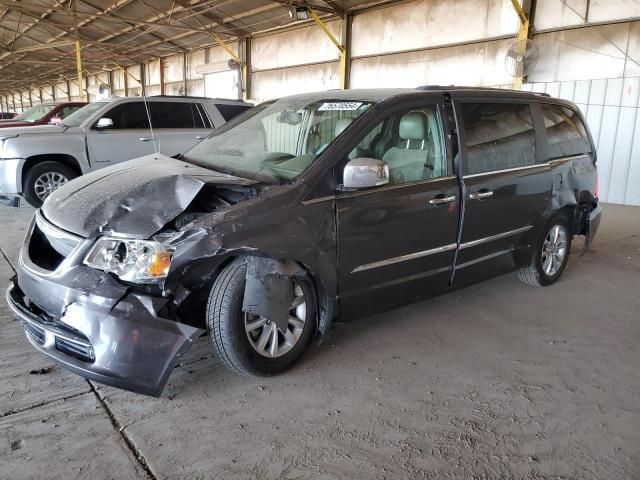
[128, 138]
[397, 242]
[506, 187]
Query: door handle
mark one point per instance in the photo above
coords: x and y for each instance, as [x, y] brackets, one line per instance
[199, 137]
[481, 194]
[145, 139]
[442, 199]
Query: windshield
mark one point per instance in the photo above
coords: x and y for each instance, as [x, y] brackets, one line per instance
[34, 113]
[276, 141]
[79, 116]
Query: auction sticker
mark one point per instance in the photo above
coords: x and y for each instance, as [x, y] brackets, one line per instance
[341, 106]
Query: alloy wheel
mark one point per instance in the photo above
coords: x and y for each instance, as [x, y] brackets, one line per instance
[267, 339]
[554, 250]
[47, 183]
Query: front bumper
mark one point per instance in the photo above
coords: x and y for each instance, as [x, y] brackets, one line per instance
[11, 176]
[96, 327]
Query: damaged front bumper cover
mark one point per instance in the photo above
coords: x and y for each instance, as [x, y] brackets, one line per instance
[120, 343]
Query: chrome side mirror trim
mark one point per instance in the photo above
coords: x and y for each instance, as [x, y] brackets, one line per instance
[365, 173]
[104, 123]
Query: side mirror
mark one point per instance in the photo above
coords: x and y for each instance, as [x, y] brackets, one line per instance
[365, 173]
[104, 123]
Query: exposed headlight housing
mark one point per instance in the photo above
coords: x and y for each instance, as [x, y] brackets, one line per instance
[136, 261]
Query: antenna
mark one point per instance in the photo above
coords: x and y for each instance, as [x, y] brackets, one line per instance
[146, 107]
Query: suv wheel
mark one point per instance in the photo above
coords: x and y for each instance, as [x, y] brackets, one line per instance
[43, 179]
[253, 345]
[550, 255]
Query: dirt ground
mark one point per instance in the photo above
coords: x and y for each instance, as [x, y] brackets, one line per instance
[498, 380]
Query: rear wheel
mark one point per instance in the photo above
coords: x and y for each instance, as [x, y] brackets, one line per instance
[253, 345]
[550, 255]
[43, 179]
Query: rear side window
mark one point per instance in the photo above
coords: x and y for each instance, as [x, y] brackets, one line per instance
[175, 115]
[566, 134]
[230, 111]
[498, 136]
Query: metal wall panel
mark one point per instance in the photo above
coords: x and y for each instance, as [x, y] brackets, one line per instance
[606, 10]
[288, 81]
[430, 23]
[301, 46]
[611, 108]
[474, 64]
[560, 13]
[587, 53]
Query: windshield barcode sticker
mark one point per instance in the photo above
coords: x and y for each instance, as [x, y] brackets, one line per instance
[343, 106]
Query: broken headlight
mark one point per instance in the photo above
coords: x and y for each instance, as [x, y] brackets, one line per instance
[137, 261]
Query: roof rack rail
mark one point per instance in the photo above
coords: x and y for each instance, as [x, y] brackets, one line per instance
[483, 89]
[198, 98]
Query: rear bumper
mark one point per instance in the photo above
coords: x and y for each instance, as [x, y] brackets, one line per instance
[117, 339]
[593, 224]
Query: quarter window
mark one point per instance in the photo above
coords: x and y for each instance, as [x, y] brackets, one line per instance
[566, 134]
[498, 136]
[230, 111]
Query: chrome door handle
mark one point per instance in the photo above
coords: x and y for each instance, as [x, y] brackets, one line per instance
[441, 200]
[199, 137]
[145, 139]
[481, 195]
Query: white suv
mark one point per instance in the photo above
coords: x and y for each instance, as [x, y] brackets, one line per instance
[35, 161]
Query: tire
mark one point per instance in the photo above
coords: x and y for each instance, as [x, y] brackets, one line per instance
[226, 325]
[58, 174]
[538, 272]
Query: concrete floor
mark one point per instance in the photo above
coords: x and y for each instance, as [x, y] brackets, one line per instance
[495, 381]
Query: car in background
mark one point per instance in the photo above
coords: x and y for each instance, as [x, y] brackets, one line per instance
[36, 161]
[43, 114]
[303, 210]
[7, 115]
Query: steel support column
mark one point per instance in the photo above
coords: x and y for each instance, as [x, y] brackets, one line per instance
[342, 47]
[79, 68]
[523, 12]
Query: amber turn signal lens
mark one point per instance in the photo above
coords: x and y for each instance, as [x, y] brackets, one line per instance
[160, 265]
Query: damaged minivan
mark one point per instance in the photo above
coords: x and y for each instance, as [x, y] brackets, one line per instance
[298, 212]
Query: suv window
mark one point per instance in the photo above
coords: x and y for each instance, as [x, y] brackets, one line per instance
[66, 111]
[128, 115]
[410, 143]
[175, 115]
[498, 136]
[566, 134]
[230, 111]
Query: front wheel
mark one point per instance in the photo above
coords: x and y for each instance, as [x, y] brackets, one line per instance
[43, 179]
[550, 255]
[253, 345]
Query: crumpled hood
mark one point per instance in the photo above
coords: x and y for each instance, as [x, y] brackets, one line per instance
[135, 198]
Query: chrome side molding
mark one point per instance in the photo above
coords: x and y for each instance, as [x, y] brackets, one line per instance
[498, 236]
[404, 258]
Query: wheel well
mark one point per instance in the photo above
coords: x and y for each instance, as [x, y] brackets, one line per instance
[195, 303]
[67, 160]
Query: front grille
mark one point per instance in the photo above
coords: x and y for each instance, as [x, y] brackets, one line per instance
[80, 351]
[49, 245]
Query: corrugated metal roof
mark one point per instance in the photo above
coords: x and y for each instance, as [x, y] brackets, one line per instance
[37, 37]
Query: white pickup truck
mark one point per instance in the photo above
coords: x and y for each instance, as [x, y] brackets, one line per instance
[35, 161]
